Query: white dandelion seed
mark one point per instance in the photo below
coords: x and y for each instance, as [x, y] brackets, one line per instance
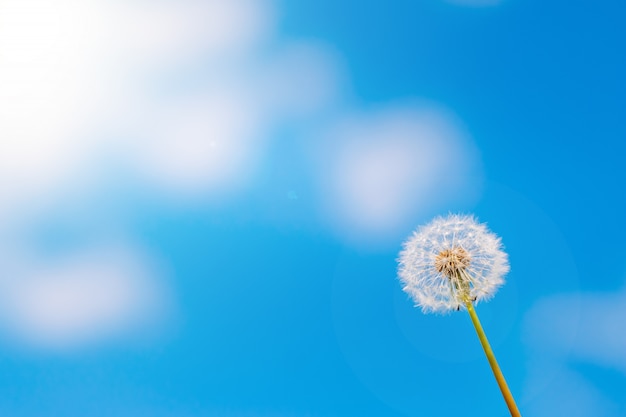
[451, 261]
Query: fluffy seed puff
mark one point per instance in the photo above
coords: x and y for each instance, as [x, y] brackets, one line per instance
[451, 261]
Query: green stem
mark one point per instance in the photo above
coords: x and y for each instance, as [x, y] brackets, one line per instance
[506, 393]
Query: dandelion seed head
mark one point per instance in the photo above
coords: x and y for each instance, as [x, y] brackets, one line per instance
[450, 261]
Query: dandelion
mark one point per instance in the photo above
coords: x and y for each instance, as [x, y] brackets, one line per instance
[451, 260]
[452, 263]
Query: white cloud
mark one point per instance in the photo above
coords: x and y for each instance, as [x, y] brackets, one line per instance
[49, 82]
[573, 328]
[211, 139]
[587, 327]
[198, 143]
[81, 298]
[380, 170]
[166, 32]
[80, 80]
[564, 392]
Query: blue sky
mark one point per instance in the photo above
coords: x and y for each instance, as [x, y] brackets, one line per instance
[203, 203]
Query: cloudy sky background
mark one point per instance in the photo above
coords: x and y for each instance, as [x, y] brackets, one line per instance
[203, 200]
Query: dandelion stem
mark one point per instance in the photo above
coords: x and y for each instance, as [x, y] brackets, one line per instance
[506, 393]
